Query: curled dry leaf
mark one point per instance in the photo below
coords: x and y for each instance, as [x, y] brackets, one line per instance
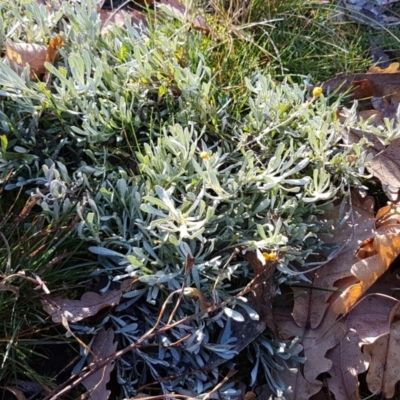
[380, 253]
[102, 347]
[89, 304]
[20, 55]
[391, 69]
[52, 50]
[333, 345]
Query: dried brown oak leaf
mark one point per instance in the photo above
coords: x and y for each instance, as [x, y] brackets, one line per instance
[335, 289]
[384, 368]
[310, 305]
[179, 11]
[20, 55]
[89, 304]
[109, 18]
[102, 347]
[363, 86]
[316, 342]
[377, 256]
[385, 163]
[259, 299]
[391, 69]
[365, 324]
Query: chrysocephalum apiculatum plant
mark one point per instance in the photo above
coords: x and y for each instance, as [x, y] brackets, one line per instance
[132, 133]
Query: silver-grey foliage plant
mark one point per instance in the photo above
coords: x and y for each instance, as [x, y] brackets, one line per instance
[187, 196]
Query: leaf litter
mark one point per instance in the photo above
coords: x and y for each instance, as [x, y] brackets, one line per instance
[347, 328]
[89, 304]
[378, 94]
[102, 347]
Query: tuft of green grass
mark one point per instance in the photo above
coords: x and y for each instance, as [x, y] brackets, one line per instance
[34, 255]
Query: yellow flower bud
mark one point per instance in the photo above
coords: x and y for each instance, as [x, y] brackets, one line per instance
[317, 91]
[204, 155]
[270, 257]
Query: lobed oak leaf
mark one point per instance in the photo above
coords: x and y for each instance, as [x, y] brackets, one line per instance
[332, 344]
[366, 272]
[384, 369]
[365, 323]
[89, 304]
[102, 347]
[316, 343]
[360, 86]
[348, 362]
[311, 302]
[260, 298]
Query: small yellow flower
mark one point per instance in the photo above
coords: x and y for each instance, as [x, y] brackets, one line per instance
[270, 257]
[317, 91]
[204, 155]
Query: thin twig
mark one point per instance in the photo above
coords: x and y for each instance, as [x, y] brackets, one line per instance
[90, 369]
[228, 376]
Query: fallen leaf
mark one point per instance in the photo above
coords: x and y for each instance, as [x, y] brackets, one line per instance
[102, 347]
[388, 109]
[331, 343]
[375, 117]
[386, 248]
[179, 11]
[362, 86]
[109, 18]
[52, 50]
[379, 14]
[316, 343]
[385, 164]
[250, 396]
[89, 304]
[263, 392]
[311, 301]
[379, 57]
[391, 69]
[348, 361]
[20, 55]
[384, 369]
[365, 323]
[259, 300]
